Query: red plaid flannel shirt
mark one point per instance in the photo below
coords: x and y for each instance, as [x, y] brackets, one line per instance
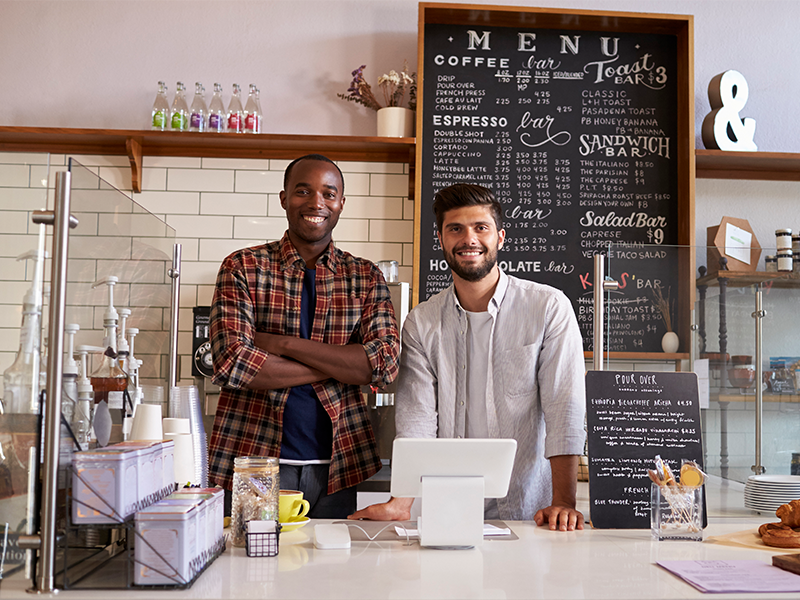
[259, 289]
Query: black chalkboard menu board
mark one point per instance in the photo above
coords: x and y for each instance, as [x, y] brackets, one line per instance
[579, 126]
[631, 417]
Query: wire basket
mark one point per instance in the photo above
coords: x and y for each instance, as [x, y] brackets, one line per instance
[263, 544]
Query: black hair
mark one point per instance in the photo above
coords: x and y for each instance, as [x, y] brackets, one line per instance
[318, 157]
[465, 194]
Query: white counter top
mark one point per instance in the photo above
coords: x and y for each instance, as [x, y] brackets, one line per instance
[541, 564]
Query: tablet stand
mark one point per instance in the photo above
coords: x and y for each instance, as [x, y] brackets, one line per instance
[452, 512]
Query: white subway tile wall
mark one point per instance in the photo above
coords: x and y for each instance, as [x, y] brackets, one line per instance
[215, 205]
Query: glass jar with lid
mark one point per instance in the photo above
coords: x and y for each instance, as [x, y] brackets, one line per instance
[785, 261]
[256, 489]
[771, 264]
[783, 239]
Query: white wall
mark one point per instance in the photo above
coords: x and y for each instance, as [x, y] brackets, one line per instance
[216, 206]
[95, 63]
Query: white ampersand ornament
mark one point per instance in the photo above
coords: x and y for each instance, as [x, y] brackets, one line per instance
[723, 128]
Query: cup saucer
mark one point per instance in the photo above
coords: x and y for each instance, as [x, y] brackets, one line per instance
[294, 524]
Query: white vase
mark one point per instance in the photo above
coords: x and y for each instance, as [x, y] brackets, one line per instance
[395, 121]
[670, 342]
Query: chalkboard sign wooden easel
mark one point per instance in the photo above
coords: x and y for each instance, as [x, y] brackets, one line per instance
[582, 125]
[632, 417]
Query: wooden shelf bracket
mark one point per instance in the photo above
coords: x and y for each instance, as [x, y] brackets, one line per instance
[133, 147]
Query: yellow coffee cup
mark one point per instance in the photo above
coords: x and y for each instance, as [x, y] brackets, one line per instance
[291, 506]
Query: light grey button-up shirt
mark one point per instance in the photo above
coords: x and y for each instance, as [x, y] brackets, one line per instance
[537, 374]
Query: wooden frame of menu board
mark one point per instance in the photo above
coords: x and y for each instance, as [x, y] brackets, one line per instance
[582, 124]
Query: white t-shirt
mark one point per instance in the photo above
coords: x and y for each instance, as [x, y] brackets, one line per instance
[479, 384]
[479, 376]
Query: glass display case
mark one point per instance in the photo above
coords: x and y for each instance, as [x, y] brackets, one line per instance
[730, 313]
[115, 237]
[745, 436]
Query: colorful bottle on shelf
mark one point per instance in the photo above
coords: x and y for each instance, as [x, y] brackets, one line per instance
[197, 117]
[235, 111]
[216, 111]
[252, 116]
[159, 118]
[260, 112]
[179, 116]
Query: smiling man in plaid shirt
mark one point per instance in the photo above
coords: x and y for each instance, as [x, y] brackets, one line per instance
[297, 325]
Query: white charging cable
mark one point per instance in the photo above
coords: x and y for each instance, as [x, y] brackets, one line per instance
[373, 538]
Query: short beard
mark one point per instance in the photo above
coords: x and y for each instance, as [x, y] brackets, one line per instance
[475, 273]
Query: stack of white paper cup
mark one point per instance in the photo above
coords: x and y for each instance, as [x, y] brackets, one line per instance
[154, 394]
[183, 458]
[184, 402]
[147, 423]
[173, 425]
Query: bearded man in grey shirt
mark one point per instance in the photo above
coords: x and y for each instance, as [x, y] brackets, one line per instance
[494, 356]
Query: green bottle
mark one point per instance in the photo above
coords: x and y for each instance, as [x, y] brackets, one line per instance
[159, 118]
[179, 120]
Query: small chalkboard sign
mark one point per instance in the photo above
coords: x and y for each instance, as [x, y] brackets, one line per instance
[632, 417]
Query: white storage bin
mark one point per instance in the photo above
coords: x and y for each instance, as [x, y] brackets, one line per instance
[167, 464]
[201, 515]
[148, 456]
[110, 473]
[216, 510]
[171, 530]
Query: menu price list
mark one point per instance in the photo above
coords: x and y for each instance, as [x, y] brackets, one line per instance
[575, 134]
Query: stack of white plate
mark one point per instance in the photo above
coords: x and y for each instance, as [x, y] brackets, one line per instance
[765, 493]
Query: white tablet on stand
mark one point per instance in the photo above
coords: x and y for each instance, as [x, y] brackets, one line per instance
[452, 476]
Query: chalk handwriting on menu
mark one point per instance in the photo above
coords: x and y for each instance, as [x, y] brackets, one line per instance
[632, 417]
[575, 133]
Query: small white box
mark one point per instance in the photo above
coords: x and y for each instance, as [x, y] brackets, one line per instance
[202, 516]
[104, 485]
[148, 457]
[168, 530]
[168, 464]
[211, 531]
[216, 509]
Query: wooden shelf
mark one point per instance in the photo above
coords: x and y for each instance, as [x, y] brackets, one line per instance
[762, 166]
[135, 144]
[636, 356]
[748, 278]
[752, 397]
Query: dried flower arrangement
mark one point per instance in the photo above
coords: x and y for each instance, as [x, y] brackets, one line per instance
[663, 306]
[393, 85]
